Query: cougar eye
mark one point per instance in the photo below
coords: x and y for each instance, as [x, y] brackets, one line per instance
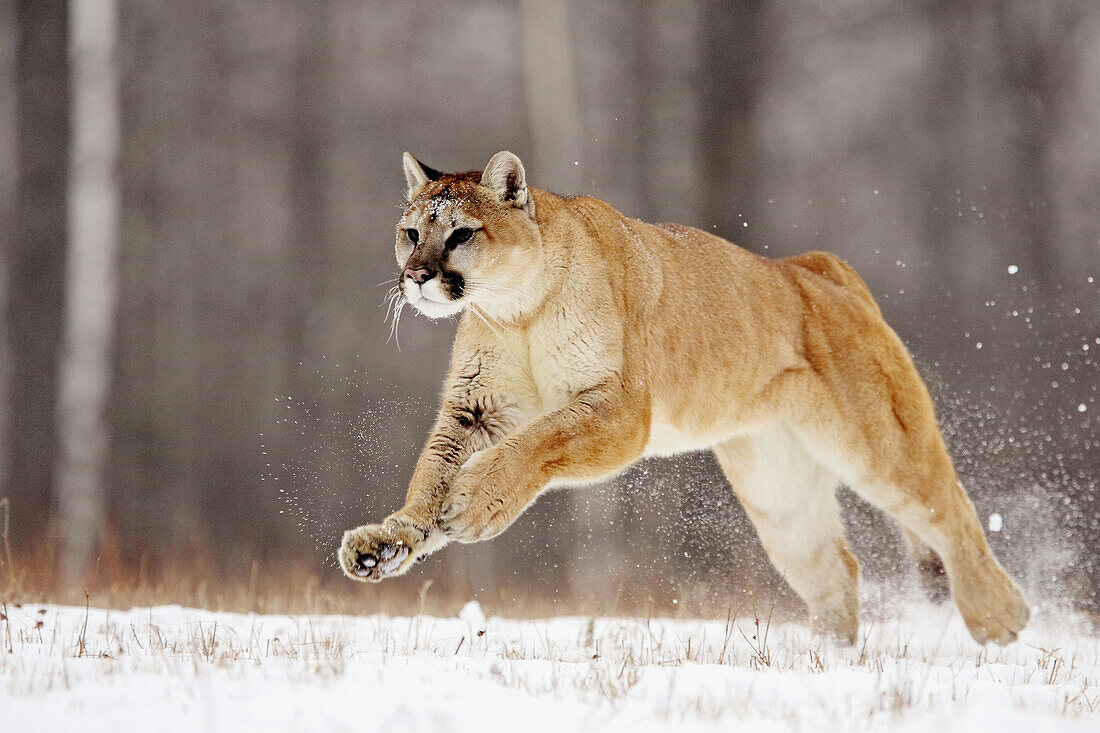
[460, 236]
[413, 235]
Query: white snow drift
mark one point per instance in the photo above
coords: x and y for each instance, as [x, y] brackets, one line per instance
[174, 669]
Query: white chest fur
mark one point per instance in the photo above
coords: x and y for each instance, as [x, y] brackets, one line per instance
[570, 351]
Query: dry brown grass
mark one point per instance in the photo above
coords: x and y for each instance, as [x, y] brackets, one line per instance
[191, 578]
[298, 588]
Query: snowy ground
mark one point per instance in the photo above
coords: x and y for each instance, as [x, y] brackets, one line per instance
[175, 669]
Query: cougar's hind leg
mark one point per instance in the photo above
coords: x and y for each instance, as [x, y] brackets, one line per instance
[791, 500]
[885, 443]
[930, 569]
[936, 509]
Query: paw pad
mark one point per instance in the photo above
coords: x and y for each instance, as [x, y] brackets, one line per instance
[364, 564]
[372, 553]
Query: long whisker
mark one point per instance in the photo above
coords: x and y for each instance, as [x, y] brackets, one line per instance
[395, 294]
[390, 294]
[490, 320]
[395, 303]
[509, 295]
[393, 324]
[508, 299]
[490, 287]
[476, 312]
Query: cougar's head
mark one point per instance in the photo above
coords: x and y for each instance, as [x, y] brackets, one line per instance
[468, 239]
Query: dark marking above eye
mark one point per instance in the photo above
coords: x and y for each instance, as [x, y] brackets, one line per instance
[459, 236]
[413, 235]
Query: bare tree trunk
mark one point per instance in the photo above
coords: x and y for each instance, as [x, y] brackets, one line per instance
[946, 102]
[667, 155]
[35, 259]
[311, 244]
[312, 270]
[1039, 61]
[91, 283]
[7, 219]
[551, 92]
[554, 119]
[733, 51]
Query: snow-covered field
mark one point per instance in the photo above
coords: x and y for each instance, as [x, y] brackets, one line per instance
[177, 669]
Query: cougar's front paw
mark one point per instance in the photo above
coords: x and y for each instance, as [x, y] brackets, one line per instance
[478, 505]
[377, 551]
[455, 518]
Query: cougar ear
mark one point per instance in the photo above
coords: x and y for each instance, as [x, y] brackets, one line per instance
[504, 176]
[417, 174]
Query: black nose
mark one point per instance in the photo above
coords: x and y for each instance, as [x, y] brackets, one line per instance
[420, 275]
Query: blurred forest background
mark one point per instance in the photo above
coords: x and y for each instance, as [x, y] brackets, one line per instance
[197, 202]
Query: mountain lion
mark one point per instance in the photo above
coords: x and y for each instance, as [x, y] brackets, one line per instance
[589, 339]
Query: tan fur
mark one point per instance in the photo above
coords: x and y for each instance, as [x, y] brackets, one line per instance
[589, 339]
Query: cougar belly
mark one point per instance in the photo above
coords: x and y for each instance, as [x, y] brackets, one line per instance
[666, 439]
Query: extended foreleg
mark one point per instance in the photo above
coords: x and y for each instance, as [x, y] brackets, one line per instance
[601, 431]
[473, 418]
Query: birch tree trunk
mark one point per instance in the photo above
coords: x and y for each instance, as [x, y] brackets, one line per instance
[91, 282]
[34, 262]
